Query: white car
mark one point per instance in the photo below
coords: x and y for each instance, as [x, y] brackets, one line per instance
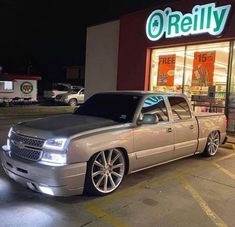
[58, 88]
[72, 98]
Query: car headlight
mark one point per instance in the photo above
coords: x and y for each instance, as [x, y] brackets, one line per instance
[55, 144]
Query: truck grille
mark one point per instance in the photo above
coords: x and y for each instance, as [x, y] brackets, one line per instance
[26, 147]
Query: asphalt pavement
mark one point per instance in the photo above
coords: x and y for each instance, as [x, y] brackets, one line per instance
[194, 191]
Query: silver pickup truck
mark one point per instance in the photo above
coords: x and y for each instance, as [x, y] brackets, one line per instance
[111, 135]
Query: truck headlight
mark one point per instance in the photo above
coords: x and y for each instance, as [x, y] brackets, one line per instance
[55, 144]
[7, 147]
[54, 151]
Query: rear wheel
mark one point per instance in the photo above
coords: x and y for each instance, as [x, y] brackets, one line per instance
[105, 172]
[73, 102]
[212, 145]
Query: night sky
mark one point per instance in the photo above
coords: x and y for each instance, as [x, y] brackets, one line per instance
[49, 35]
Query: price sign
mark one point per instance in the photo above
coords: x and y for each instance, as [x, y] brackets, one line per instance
[203, 68]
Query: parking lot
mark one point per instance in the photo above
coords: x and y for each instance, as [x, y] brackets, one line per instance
[195, 191]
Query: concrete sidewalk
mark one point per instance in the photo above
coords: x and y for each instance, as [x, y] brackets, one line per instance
[231, 139]
[34, 110]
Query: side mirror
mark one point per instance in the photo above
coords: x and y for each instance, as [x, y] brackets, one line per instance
[149, 119]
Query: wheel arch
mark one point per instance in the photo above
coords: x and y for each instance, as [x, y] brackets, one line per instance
[124, 151]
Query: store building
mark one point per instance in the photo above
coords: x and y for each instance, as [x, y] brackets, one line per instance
[17, 88]
[180, 47]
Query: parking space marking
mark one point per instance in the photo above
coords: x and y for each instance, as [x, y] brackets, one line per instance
[104, 216]
[227, 172]
[202, 203]
[96, 207]
[224, 157]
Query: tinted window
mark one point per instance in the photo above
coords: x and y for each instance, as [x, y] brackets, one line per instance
[118, 107]
[180, 108]
[155, 105]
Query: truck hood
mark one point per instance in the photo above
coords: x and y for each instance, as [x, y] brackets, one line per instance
[62, 126]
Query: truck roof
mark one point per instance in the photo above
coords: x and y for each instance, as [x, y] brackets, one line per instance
[143, 93]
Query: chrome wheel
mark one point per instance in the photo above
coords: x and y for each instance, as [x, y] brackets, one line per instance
[107, 170]
[213, 143]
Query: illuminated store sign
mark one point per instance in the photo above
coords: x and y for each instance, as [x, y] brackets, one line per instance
[203, 19]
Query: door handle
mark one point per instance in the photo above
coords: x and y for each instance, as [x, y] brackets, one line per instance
[169, 130]
[191, 127]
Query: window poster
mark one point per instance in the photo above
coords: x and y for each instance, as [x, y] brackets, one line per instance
[203, 68]
[166, 70]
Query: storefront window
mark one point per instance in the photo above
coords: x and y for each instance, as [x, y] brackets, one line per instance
[167, 68]
[231, 100]
[6, 86]
[199, 71]
[206, 73]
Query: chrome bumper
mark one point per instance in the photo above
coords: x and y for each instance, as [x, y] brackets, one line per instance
[64, 180]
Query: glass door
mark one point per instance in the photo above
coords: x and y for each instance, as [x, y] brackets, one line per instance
[206, 73]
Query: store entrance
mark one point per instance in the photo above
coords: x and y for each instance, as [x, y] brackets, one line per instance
[199, 71]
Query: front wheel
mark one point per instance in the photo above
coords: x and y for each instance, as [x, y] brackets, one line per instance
[212, 145]
[73, 102]
[105, 172]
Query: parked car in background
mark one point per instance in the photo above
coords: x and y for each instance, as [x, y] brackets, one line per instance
[58, 88]
[112, 134]
[73, 98]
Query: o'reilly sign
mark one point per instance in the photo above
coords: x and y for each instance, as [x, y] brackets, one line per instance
[203, 19]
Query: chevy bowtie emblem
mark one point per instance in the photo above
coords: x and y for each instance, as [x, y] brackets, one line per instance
[19, 144]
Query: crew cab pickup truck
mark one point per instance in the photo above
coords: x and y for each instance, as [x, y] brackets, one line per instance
[112, 134]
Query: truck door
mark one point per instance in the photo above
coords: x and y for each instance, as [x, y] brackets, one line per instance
[153, 143]
[184, 126]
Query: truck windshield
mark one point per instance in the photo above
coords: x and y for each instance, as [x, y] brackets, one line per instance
[117, 107]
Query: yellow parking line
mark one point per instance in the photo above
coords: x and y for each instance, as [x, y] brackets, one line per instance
[141, 186]
[104, 216]
[227, 172]
[212, 215]
[94, 207]
[224, 157]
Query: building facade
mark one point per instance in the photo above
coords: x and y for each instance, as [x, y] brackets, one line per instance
[186, 48]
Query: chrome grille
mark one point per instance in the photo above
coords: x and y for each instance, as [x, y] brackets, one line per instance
[26, 147]
[29, 141]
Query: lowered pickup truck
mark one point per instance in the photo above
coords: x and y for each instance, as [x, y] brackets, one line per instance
[111, 135]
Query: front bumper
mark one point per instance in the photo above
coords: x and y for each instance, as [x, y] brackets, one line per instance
[53, 180]
[62, 101]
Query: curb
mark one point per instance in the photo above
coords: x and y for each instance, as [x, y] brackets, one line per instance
[228, 146]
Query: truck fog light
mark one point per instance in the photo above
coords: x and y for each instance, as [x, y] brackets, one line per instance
[46, 190]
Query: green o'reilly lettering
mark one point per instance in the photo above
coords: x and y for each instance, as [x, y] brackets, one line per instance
[173, 23]
[203, 19]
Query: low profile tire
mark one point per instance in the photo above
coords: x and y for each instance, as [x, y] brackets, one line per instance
[212, 145]
[105, 172]
[73, 102]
